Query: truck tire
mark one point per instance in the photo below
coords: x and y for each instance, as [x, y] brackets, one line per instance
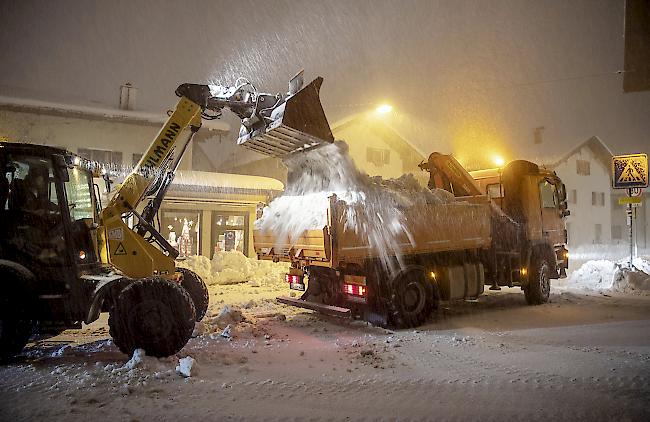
[412, 300]
[538, 289]
[153, 314]
[197, 290]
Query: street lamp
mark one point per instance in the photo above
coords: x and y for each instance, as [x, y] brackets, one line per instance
[499, 161]
[384, 108]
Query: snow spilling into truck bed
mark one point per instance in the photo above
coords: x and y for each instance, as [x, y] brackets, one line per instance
[374, 207]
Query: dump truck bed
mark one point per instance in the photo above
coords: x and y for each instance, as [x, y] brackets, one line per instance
[457, 225]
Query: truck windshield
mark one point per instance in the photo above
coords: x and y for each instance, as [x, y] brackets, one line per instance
[80, 196]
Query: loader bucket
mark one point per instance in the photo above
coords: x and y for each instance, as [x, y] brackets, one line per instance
[297, 124]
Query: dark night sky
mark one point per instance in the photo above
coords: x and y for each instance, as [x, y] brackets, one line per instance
[468, 77]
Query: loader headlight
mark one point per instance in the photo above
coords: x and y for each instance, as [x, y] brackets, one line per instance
[82, 255]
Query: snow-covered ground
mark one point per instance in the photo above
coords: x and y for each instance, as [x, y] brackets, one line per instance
[583, 356]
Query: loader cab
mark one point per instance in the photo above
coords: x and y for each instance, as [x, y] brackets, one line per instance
[49, 213]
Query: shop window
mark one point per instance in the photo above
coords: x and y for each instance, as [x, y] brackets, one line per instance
[182, 229]
[617, 232]
[598, 233]
[230, 232]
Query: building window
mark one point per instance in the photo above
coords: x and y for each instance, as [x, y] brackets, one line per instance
[377, 156]
[494, 190]
[598, 199]
[573, 196]
[582, 167]
[598, 233]
[182, 229]
[617, 232]
[101, 156]
[135, 159]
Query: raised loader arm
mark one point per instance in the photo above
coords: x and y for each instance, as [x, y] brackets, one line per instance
[275, 125]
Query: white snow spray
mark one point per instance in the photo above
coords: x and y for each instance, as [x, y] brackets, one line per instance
[374, 207]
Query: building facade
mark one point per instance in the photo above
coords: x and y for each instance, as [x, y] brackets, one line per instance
[203, 211]
[585, 171]
[375, 147]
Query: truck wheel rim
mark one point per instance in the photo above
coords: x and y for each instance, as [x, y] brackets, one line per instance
[413, 298]
[544, 281]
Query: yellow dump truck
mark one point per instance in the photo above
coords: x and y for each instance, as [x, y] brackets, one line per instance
[502, 227]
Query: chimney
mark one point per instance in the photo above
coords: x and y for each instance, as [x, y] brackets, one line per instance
[127, 96]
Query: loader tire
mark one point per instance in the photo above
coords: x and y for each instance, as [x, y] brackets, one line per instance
[412, 300]
[14, 334]
[538, 289]
[197, 290]
[153, 314]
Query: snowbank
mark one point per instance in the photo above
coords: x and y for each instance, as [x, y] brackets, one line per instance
[602, 274]
[234, 267]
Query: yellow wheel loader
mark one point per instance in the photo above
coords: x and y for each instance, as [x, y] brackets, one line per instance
[64, 259]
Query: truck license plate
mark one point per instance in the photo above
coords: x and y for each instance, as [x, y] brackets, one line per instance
[297, 286]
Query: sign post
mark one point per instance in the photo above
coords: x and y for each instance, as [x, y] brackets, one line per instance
[630, 172]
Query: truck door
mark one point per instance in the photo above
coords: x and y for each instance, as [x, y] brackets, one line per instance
[552, 227]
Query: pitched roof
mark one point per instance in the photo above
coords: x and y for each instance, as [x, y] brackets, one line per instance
[596, 145]
[388, 134]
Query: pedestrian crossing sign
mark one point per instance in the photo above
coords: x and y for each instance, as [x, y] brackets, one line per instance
[630, 171]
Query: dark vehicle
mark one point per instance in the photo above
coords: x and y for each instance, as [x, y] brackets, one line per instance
[52, 276]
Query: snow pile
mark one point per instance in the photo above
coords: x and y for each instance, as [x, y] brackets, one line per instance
[136, 360]
[228, 315]
[234, 267]
[187, 367]
[602, 274]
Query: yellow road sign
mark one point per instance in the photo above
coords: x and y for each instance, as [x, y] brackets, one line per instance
[630, 171]
[628, 200]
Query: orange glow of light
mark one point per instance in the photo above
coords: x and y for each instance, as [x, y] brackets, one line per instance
[384, 109]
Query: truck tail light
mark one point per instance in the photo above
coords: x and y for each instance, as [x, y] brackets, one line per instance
[355, 290]
[292, 278]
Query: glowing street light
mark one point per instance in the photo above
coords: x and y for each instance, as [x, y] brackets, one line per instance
[499, 161]
[384, 108]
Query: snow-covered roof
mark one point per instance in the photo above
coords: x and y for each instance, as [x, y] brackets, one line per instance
[60, 109]
[600, 150]
[394, 138]
[203, 181]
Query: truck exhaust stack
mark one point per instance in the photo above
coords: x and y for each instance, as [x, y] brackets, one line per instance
[295, 123]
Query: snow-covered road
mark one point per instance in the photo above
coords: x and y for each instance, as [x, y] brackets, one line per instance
[583, 356]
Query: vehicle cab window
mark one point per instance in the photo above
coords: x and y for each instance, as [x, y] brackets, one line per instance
[78, 190]
[548, 195]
